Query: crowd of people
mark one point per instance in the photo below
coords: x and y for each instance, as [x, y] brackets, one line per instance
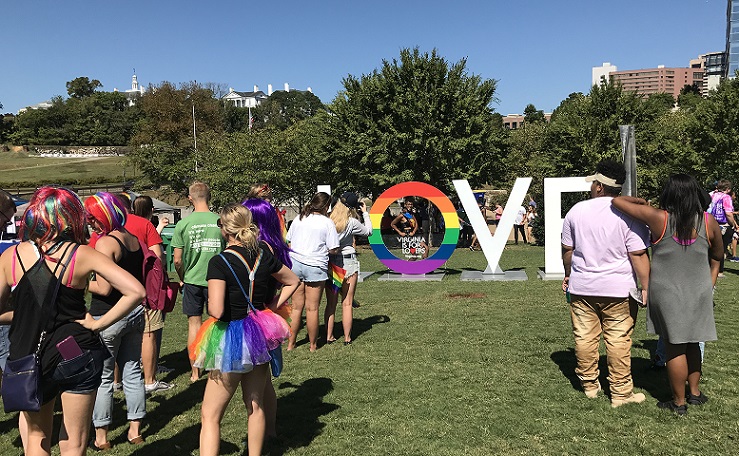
[254, 278]
[241, 267]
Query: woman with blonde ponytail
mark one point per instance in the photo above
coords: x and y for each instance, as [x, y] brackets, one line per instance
[233, 344]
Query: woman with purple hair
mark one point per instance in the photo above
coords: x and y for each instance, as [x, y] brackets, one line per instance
[264, 216]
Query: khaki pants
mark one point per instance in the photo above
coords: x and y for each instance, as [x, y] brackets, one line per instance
[615, 319]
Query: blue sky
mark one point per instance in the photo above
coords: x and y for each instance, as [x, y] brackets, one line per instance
[539, 51]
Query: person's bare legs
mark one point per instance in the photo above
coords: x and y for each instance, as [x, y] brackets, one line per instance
[38, 427]
[313, 294]
[329, 315]
[298, 302]
[693, 358]
[252, 390]
[218, 392]
[270, 408]
[677, 371]
[193, 326]
[347, 312]
[149, 355]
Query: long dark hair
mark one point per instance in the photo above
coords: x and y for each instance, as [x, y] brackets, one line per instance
[319, 203]
[681, 197]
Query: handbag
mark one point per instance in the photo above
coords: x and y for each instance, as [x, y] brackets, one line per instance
[20, 389]
[21, 379]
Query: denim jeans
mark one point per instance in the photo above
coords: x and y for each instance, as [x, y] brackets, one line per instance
[614, 318]
[4, 345]
[123, 340]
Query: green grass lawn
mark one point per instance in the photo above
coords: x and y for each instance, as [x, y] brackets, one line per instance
[432, 372]
[20, 169]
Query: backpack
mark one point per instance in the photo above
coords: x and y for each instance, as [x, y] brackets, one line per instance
[155, 280]
[717, 208]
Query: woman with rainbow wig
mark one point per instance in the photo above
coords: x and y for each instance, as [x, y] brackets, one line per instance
[234, 343]
[266, 219]
[53, 235]
[106, 215]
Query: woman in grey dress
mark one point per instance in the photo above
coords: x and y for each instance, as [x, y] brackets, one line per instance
[686, 251]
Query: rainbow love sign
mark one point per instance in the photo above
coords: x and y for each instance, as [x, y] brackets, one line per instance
[451, 232]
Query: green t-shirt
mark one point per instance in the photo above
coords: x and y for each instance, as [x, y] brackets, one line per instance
[200, 240]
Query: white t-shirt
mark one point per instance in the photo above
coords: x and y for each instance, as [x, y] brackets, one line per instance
[601, 238]
[520, 216]
[311, 238]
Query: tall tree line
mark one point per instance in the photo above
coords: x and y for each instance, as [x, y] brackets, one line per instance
[415, 117]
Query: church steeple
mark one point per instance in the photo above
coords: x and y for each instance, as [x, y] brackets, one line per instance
[134, 82]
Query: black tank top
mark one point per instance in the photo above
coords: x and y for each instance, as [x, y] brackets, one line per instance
[29, 319]
[131, 262]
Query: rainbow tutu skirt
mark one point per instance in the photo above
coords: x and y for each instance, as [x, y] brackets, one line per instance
[236, 346]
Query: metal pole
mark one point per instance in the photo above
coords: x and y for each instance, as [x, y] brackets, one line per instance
[195, 137]
[628, 148]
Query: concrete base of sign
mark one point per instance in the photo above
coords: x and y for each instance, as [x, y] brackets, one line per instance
[434, 276]
[552, 276]
[363, 275]
[476, 276]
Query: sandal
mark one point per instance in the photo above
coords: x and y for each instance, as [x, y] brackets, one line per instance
[138, 440]
[102, 447]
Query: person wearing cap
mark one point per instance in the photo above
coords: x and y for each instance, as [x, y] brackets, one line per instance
[603, 252]
[345, 216]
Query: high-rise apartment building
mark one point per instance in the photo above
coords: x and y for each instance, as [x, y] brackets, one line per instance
[660, 79]
[732, 37]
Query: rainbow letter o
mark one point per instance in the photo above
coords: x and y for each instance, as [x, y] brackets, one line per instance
[451, 232]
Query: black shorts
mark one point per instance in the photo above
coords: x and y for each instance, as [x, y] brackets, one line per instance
[80, 375]
[194, 300]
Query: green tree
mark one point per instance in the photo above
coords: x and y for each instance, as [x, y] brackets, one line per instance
[82, 87]
[417, 118]
[532, 115]
[163, 146]
[283, 109]
[716, 132]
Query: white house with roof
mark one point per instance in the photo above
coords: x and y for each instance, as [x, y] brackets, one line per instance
[245, 99]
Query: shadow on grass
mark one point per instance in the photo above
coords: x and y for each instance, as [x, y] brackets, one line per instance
[652, 381]
[359, 327]
[178, 361]
[185, 442]
[298, 415]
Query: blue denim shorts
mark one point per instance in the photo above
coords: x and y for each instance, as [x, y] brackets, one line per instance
[80, 375]
[309, 273]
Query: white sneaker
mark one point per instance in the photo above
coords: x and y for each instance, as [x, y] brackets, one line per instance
[157, 386]
[635, 398]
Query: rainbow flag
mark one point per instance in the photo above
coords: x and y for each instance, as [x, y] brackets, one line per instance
[337, 277]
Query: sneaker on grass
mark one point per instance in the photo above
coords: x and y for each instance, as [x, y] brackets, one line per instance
[679, 410]
[700, 399]
[157, 386]
[635, 398]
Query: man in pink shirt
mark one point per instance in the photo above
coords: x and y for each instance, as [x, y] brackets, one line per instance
[603, 251]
